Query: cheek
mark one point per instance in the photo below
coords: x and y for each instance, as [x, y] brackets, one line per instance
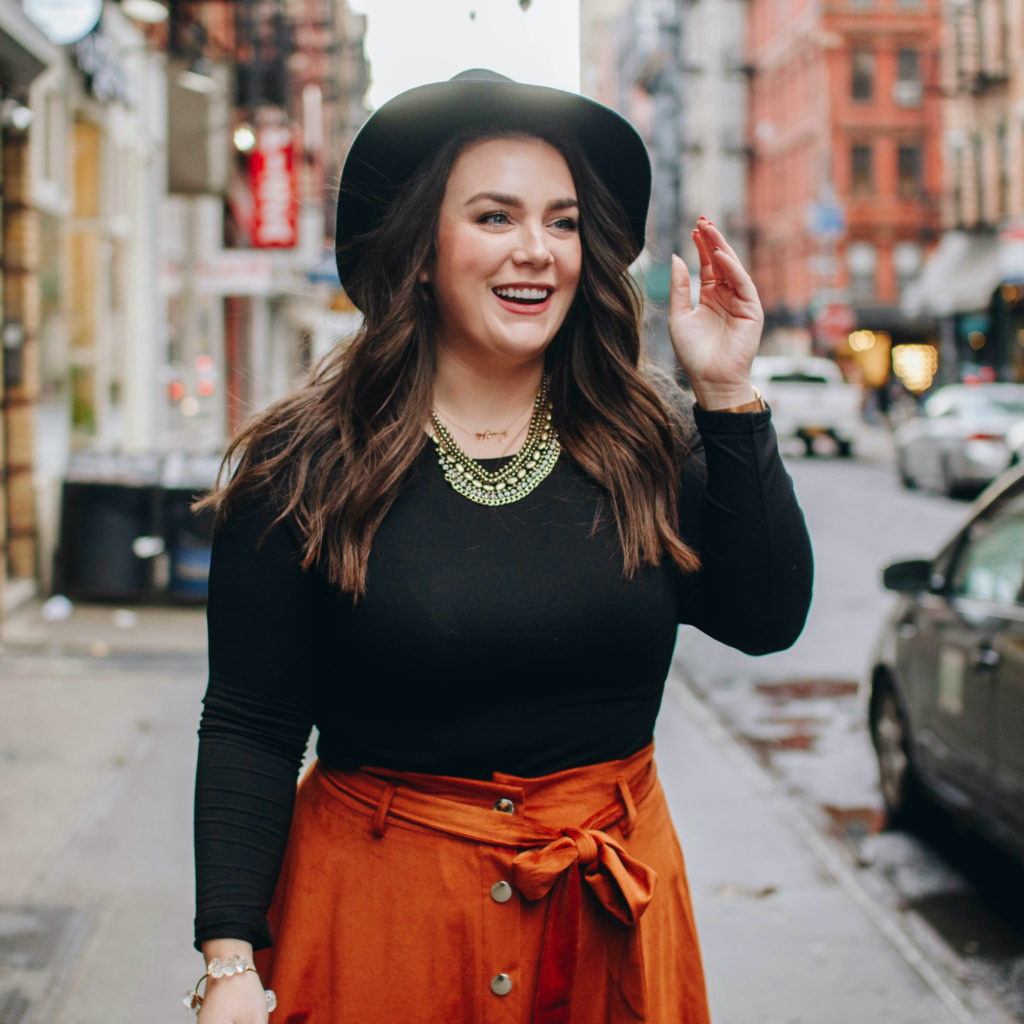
[573, 265]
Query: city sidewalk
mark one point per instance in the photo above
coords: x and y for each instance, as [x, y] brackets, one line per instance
[99, 714]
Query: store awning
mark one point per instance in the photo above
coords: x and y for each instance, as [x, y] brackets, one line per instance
[24, 51]
[958, 277]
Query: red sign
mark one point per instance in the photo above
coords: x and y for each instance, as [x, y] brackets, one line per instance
[836, 321]
[274, 190]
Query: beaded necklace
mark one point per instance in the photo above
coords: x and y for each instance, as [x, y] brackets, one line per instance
[519, 476]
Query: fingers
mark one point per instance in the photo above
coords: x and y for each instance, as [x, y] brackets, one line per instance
[732, 272]
[713, 238]
[707, 268]
[679, 293]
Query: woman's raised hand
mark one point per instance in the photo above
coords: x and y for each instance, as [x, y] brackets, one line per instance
[716, 340]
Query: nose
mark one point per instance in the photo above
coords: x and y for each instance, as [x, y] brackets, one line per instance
[532, 246]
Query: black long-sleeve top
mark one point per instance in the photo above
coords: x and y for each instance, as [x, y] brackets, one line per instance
[489, 639]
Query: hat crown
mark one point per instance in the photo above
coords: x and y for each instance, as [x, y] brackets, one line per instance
[480, 75]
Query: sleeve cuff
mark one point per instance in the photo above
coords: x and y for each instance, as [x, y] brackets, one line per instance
[716, 422]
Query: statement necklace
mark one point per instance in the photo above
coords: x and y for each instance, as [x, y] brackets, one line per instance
[520, 475]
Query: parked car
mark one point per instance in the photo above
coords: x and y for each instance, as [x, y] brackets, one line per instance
[810, 398]
[959, 441]
[946, 706]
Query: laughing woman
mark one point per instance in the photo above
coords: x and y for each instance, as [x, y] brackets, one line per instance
[462, 552]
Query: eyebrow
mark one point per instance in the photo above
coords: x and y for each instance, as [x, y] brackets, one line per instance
[504, 199]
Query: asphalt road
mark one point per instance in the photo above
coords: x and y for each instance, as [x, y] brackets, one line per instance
[802, 712]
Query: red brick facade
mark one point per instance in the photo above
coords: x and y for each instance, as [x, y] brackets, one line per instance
[845, 170]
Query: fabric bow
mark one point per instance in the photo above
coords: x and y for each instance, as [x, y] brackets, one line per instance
[623, 884]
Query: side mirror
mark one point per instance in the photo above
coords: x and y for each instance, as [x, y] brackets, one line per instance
[911, 576]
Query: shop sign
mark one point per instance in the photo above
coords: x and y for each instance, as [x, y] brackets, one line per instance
[64, 21]
[275, 222]
[236, 272]
[836, 320]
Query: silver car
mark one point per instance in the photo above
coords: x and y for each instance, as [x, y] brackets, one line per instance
[947, 678]
[958, 441]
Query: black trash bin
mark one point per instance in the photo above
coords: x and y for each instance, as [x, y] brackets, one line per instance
[100, 523]
[128, 532]
[189, 539]
[189, 534]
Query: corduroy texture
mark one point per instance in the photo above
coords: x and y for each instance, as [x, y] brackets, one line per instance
[384, 910]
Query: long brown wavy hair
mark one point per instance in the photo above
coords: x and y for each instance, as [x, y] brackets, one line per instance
[334, 454]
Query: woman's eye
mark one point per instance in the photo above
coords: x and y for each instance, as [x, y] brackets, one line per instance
[497, 217]
[566, 224]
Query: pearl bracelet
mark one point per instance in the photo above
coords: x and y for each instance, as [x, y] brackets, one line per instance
[218, 968]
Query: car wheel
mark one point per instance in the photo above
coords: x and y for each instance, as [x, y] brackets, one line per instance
[905, 478]
[901, 792]
[948, 484]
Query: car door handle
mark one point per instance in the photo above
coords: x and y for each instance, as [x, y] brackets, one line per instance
[985, 657]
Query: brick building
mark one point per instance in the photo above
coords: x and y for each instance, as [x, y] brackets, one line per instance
[845, 172]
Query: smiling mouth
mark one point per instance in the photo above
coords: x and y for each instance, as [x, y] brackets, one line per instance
[524, 296]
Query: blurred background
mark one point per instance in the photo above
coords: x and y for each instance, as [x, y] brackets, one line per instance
[168, 176]
[167, 207]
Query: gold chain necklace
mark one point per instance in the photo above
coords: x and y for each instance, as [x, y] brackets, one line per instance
[520, 475]
[482, 435]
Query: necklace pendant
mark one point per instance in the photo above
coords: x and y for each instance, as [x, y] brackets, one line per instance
[490, 435]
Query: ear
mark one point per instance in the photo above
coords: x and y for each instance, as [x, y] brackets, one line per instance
[424, 277]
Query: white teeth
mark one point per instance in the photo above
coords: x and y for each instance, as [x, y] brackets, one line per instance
[522, 293]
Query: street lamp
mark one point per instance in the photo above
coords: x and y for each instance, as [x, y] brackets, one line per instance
[152, 12]
[244, 138]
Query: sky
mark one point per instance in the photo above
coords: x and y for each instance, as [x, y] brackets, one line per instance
[412, 42]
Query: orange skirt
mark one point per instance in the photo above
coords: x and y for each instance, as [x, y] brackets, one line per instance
[423, 899]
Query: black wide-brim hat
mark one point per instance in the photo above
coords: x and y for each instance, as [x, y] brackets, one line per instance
[400, 135]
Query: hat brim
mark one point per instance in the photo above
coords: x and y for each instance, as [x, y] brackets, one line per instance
[402, 133]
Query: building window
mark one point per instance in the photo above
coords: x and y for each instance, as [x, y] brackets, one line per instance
[908, 65]
[861, 175]
[907, 90]
[863, 80]
[861, 265]
[909, 178]
[907, 258]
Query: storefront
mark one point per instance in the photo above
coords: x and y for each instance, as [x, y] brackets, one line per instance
[25, 53]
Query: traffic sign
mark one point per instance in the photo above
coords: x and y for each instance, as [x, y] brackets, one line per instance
[836, 320]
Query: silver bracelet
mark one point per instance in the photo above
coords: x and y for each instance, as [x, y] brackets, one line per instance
[218, 968]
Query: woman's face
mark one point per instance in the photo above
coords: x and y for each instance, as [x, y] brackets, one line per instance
[508, 251]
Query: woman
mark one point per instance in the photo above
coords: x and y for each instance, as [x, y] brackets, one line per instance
[462, 552]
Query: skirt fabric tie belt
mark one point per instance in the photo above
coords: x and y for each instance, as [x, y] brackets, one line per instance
[565, 844]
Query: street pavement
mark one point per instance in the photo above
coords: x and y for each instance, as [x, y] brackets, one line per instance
[97, 737]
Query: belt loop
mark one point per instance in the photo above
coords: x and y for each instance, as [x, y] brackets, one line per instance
[383, 806]
[626, 797]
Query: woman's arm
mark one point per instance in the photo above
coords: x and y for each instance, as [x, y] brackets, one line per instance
[263, 616]
[739, 511]
[737, 506]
